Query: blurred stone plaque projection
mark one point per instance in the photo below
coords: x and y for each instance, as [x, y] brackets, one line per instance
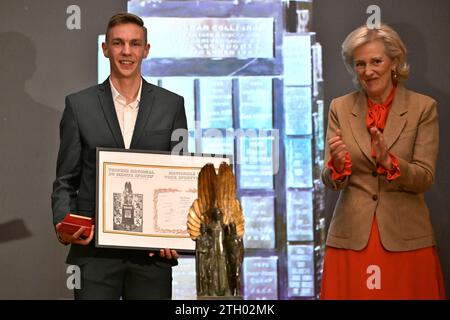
[297, 60]
[299, 163]
[213, 143]
[255, 103]
[152, 80]
[317, 67]
[298, 110]
[319, 130]
[260, 278]
[184, 282]
[260, 222]
[299, 210]
[251, 76]
[184, 86]
[216, 109]
[209, 37]
[256, 162]
[301, 271]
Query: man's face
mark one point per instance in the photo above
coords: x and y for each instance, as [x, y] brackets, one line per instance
[126, 48]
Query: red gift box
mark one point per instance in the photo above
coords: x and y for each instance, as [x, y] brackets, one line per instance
[73, 222]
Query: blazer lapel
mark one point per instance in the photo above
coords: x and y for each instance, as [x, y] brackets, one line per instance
[359, 128]
[395, 121]
[145, 108]
[107, 103]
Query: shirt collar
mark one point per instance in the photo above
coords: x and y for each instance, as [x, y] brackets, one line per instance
[117, 96]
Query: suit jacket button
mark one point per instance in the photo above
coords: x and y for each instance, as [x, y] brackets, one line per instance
[374, 173]
[374, 197]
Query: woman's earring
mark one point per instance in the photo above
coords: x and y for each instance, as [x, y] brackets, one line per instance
[394, 75]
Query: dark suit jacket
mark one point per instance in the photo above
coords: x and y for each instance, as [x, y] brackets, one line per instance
[89, 121]
[412, 135]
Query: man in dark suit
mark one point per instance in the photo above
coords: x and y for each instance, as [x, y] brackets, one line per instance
[123, 112]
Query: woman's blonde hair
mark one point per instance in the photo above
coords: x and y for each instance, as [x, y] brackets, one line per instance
[394, 49]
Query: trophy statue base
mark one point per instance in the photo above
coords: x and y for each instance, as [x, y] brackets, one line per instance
[220, 298]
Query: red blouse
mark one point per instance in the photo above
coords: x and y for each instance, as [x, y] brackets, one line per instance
[376, 117]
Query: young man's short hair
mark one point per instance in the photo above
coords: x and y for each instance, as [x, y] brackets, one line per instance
[125, 17]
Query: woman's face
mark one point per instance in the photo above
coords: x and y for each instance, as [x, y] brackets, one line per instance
[373, 68]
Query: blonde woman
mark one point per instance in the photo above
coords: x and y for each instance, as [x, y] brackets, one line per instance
[382, 145]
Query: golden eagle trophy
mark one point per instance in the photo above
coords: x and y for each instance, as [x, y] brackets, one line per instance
[216, 223]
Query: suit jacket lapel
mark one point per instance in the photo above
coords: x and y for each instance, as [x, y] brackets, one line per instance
[107, 103]
[359, 128]
[395, 121]
[145, 108]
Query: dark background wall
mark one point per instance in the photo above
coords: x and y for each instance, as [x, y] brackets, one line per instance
[42, 61]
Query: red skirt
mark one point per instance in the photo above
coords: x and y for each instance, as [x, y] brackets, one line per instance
[375, 273]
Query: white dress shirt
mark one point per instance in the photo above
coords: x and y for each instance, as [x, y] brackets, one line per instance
[126, 113]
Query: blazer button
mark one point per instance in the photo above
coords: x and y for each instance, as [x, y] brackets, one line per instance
[374, 197]
[374, 173]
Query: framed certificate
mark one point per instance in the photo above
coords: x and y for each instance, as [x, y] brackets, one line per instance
[143, 198]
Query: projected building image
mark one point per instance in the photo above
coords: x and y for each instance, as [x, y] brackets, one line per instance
[251, 71]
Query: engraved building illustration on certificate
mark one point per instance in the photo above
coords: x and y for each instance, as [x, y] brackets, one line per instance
[128, 209]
